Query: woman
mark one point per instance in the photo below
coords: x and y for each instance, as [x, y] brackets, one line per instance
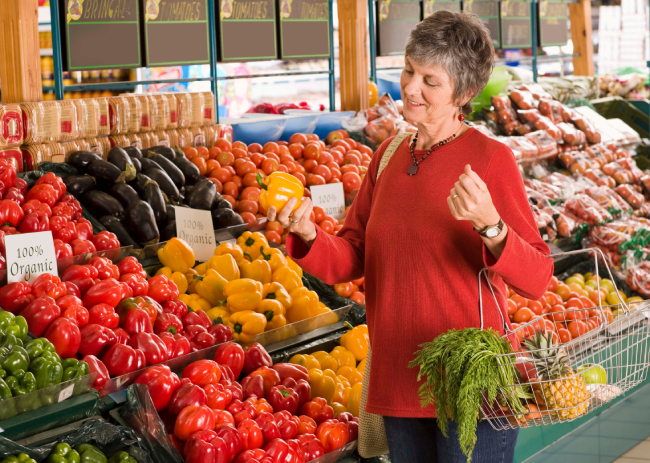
[421, 234]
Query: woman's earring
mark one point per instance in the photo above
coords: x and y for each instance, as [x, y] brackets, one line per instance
[461, 117]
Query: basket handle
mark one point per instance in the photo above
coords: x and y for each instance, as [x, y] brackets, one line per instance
[596, 251]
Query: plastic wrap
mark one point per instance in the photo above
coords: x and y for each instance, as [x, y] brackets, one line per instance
[210, 132]
[568, 224]
[198, 136]
[546, 145]
[183, 138]
[119, 115]
[551, 109]
[633, 197]
[34, 155]
[119, 140]
[41, 122]
[610, 200]
[196, 110]
[568, 114]
[109, 438]
[597, 176]
[523, 99]
[638, 278]
[14, 156]
[146, 139]
[135, 139]
[536, 90]
[588, 209]
[593, 136]
[571, 135]
[100, 146]
[501, 102]
[184, 109]
[551, 192]
[619, 173]
[162, 138]
[567, 185]
[209, 112]
[11, 126]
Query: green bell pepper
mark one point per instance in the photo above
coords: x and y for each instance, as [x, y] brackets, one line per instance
[21, 383]
[73, 368]
[5, 391]
[63, 453]
[10, 324]
[38, 347]
[46, 371]
[90, 454]
[20, 458]
[13, 359]
[122, 457]
[9, 340]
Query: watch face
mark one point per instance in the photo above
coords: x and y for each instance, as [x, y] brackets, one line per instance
[492, 232]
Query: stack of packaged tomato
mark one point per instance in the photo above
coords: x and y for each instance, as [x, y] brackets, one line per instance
[112, 316]
[270, 416]
[46, 206]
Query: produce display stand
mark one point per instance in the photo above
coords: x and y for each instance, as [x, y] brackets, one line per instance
[60, 88]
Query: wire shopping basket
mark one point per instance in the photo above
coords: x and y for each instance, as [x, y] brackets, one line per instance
[561, 378]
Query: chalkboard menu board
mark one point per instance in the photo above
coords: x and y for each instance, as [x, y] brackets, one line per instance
[396, 18]
[515, 24]
[553, 23]
[431, 6]
[488, 13]
[176, 32]
[247, 29]
[304, 28]
[100, 34]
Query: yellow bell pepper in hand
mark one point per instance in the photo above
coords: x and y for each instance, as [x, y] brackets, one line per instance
[246, 324]
[288, 279]
[195, 302]
[251, 243]
[258, 270]
[177, 277]
[322, 385]
[307, 361]
[218, 315]
[243, 294]
[354, 399]
[232, 249]
[295, 267]
[356, 341]
[304, 304]
[326, 361]
[211, 287]
[274, 257]
[344, 357]
[226, 266]
[274, 312]
[278, 188]
[276, 291]
[177, 255]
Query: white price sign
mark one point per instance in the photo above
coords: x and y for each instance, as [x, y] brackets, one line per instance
[66, 393]
[331, 198]
[30, 255]
[194, 226]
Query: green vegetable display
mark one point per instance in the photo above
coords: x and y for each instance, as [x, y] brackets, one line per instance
[13, 359]
[122, 457]
[63, 453]
[460, 366]
[73, 368]
[39, 347]
[12, 325]
[90, 454]
[20, 458]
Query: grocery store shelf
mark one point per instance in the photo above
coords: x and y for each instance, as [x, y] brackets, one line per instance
[128, 84]
[275, 74]
[46, 52]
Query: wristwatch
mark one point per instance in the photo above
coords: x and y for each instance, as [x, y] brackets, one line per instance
[491, 231]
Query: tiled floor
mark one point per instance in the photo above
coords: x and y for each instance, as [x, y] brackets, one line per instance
[640, 453]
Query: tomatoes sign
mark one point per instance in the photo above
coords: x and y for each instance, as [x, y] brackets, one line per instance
[331, 198]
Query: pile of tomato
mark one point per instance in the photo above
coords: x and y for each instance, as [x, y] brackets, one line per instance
[354, 290]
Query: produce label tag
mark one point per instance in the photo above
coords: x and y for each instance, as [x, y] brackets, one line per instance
[66, 393]
[331, 198]
[30, 255]
[195, 227]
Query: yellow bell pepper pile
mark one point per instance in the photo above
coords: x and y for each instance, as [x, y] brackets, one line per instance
[248, 285]
[336, 376]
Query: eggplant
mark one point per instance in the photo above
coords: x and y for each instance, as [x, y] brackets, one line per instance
[164, 182]
[79, 185]
[114, 225]
[137, 164]
[149, 164]
[104, 170]
[166, 151]
[141, 221]
[202, 195]
[99, 204]
[189, 170]
[139, 183]
[154, 197]
[81, 159]
[222, 218]
[118, 157]
[174, 172]
[221, 204]
[168, 231]
[133, 152]
[124, 193]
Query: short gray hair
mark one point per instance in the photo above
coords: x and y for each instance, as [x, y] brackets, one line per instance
[460, 44]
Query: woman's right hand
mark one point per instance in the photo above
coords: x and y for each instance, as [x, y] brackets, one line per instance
[299, 222]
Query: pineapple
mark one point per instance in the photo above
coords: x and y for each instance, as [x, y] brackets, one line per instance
[561, 390]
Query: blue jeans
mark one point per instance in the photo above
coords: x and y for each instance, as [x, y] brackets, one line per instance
[419, 440]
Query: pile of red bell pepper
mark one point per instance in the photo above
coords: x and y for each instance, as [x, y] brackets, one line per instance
[111, 312]
[46, 206]
[268, 417]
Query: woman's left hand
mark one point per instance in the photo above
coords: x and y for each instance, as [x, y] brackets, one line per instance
[471, 200]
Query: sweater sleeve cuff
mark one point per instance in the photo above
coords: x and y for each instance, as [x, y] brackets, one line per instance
[488, 259]
[298, 249]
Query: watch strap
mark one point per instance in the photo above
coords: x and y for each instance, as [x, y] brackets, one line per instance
[483, 232]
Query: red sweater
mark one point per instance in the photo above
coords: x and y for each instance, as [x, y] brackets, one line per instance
[420, 264]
